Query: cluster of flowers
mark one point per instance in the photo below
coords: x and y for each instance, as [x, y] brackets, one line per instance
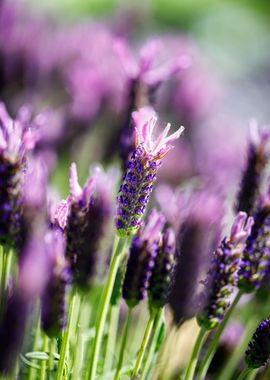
[53, 253]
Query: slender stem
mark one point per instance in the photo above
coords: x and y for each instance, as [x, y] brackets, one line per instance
[252, 374]
[51, 355]
[213, 345]
[238, 352]
[123, 345]
[65, 340]
[112, 335]
[119, 247]
[244, 374]
[32, 370]
[151, 351]
[195, 354]
[4, 276]
[43, 364]
[144, 343]
[82, 325]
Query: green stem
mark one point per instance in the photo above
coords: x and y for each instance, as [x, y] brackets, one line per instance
[65, 340]
[5, 259]
[32, 370]
[112, 336]
[123, 345]
[144, 343]
[213, 345]
[82, 325]
[238, 352]
[51, 355]
[195, 354]
[119, 246]
[244, 374]
[43, 364]
[252, 374]
[151, 351]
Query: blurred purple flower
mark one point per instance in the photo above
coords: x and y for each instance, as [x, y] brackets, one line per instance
[253, 172]
[53, 300]
[141, 261]
[198, 236]
[84, 217]
[163, 272]
[255, 262]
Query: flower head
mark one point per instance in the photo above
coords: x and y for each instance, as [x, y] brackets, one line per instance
[198, 236]
[252, 175]
[256, 256]
[223, 274]
[17, 137]
[143, 251]
[137, 184]
[53, 300]
[258, 352]
[163, 271]
[84, 217]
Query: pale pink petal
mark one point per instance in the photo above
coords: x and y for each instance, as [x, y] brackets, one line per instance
[74, 187]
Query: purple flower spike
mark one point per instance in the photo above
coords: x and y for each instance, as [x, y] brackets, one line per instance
[256, 257]
[258, 352]
[53, 300]
[143, 251]
[223, 274]
[137, 184]
[144, 78]
[12, 330]
[86, 214]
[198, 237]
[253, 173]
[162, 275]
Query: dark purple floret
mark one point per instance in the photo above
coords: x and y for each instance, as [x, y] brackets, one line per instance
[12, 329]
[256, 256]
[223, 274]
[163, 271]
[253, 172]
[258, 352]
[53, 300]
[141, 261]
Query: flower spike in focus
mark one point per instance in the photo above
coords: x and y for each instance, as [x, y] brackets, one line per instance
[223, 274]
[142, 167]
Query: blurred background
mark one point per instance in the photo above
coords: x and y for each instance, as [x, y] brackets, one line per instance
[60, 57]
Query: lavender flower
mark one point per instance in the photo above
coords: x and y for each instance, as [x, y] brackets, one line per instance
[53, 301]
[143, 81]
[141, 260]
[15, 140]
[256, 257]
[252, 175]
[198, 236]
[137, 184]
[86, 212]
[223, 274]
[12, 329]
[258, 352]
[163, 271]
